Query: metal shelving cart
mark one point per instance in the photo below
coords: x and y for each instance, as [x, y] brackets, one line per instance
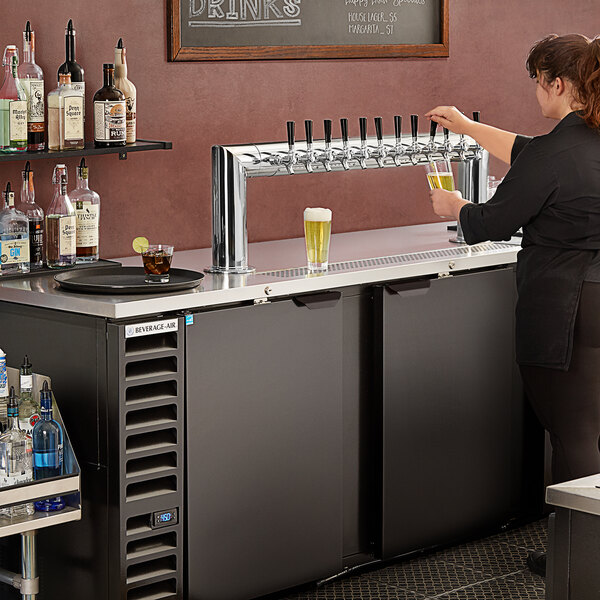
[67, 485]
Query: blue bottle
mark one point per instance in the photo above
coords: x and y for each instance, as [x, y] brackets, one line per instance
[47, 450]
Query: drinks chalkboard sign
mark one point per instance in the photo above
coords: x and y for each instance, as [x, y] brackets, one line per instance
[275, 29]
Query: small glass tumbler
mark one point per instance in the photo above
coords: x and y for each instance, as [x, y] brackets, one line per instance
[157, 262]
[317, 232]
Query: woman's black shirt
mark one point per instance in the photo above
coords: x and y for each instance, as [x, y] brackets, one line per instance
[552, 190]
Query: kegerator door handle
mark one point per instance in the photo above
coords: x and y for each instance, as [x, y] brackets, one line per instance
[319, 300]
[410, 288]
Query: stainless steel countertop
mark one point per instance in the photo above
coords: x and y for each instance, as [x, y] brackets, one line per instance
[580, 494]
[417, 250]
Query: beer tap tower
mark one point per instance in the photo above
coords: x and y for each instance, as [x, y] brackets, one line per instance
[233, 165]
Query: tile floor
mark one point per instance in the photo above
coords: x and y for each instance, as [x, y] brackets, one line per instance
[492, 568]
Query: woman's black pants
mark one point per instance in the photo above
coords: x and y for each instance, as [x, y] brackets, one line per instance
[567, 403]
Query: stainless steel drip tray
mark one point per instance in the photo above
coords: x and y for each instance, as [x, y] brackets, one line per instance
[486, 248]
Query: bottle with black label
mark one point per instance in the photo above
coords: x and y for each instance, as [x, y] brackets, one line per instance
[35, 214]
[109, 112]
[71, 65]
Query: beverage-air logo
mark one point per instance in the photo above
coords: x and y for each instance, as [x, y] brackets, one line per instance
[244, 13]
[151, 328]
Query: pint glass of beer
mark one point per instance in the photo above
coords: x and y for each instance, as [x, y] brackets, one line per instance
[317, 231]
[439, 175]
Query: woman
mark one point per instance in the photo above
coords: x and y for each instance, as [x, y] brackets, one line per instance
[552, 190]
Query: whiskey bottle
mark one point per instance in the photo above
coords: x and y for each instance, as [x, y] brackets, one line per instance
[47, 450]
[87, 211]
[32, 80]
[109, 112]
[71, 65]
[14, 237]
[123, 84]
[16, 458]
[13, 105]
[60, 224]
[66, 116]
[35, 214]
[29, 408]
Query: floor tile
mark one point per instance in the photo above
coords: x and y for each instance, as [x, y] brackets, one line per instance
[498, 588]
[532, 537]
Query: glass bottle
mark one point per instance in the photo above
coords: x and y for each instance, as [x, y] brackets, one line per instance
[32, 80]
[14, 237]
[3, 391]
[66, 116]
[13, 105]
[60, 224]
[87, 210]
[29, 408]
[123, 84]
[35, 215]
[109, 112]
[16, 458]
[47, 450]
[71, 65]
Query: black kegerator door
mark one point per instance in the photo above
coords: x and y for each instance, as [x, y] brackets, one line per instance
[264, 447]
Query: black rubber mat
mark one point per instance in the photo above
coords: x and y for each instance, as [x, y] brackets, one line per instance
[489, 569]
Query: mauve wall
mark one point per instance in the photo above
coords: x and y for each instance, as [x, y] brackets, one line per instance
[165, 195]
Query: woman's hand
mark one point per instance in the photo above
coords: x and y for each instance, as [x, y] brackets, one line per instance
[447, 204]
[451, 118]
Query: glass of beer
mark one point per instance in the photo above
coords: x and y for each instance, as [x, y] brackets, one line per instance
[439, 175]
[317, 231]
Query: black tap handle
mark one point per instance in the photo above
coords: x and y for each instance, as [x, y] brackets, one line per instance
[446, 134]
[432, 129]
[344, 126]
[362, 122]
[379, 128]
[398, 126]
[291, 132]
[476, 115]
[414, 125]
[327, 127]
[308, 128]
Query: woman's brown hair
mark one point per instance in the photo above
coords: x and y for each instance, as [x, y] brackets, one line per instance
[576, 58]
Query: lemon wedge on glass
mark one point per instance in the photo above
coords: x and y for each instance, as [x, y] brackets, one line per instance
[140, 244]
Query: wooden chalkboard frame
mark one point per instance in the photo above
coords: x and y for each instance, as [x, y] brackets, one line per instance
[178, 52]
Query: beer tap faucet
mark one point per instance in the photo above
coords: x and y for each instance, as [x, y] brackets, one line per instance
[399, 149]
[327, 154]
[363, 153]
[431, 145]
[309, 157]
[447, 144]
[345, 155]
[291, 158]
[414, 149]
[381, 151]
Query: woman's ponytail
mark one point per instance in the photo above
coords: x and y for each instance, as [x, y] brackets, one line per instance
[589, 84]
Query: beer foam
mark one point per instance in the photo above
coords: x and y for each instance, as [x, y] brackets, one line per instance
[317, 214]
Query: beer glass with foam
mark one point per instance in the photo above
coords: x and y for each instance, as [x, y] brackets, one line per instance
[317, 231]
[439, 175]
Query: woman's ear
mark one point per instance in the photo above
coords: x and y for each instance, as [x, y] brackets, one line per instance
[558, 86]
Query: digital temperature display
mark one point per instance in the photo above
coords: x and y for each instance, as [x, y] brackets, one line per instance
[164, 518]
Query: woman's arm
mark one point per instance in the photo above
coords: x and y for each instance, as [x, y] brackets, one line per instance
[496, 141]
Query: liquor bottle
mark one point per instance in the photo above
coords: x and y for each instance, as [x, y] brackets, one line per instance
[71, 65]
[13, 105]
[47, 450]
[35, 214]
[16, 458]
[32, 80]
[3, 391]
[87, 210]
[109, 112]
[29, 409]
[66, 116]
[123, 84]
[14, 237]
[60, 224]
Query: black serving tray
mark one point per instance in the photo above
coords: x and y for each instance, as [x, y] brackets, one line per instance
[125, 280]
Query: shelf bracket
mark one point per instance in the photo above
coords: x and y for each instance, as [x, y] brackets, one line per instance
[123, 155]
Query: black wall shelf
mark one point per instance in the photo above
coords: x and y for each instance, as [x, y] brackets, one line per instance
[89, 150]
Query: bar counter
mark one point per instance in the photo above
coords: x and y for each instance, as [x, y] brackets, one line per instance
[403, 253]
